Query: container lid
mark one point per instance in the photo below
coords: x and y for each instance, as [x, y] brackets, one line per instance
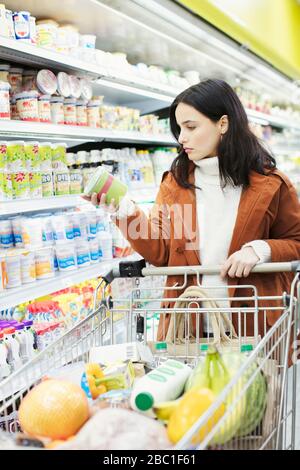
[144, 401]
[27, 322]
[246, 347]
[9, 331]
[30, 72]
[4, 67]
[26, 94]
[19, 326]
[44, 97]
[86, 89]
[16, 70]
[63, 84]
[70, 101]
[75, 87]
[203, 347]
[57, 99]
[161, 346]
[46, 82]
[5, 85]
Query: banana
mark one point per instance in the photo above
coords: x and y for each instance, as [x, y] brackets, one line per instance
[164, 410]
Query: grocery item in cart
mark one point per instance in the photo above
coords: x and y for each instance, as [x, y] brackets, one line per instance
[103, 182]
[164, 383]
[124, 429]
[56, 409]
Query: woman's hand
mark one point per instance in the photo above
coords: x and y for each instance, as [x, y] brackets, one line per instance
[111, 208]
[240, 263]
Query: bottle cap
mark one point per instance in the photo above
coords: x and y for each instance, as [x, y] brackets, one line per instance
[246, 347]
[161, 346]
[203, 347]
[144, 401]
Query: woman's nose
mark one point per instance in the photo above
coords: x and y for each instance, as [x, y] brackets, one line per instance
[181, 138]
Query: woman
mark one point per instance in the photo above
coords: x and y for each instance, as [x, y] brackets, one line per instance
[222, 202]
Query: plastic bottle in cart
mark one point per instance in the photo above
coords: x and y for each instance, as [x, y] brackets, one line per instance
[164, 383]
[21, 337]
[203, 348]
[161, 353]
[30, 339]
[5, 369]
[246, 349]
[13, 346]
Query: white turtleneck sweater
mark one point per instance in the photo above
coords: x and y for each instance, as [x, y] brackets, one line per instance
[217, 210]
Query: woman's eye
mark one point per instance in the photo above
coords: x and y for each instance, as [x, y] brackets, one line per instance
[191, 127]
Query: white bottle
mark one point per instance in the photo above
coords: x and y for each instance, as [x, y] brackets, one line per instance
[4, 367]
[13, 346]
[105, 245]
[164, 383]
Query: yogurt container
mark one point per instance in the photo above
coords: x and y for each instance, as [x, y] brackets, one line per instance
[57, 110]
[16, 155]
[6, 234]
[32, 29]
[61, 179]
[22, 26]
[59, 155]
[103, 182]
[48, 239]
[32, 232]
[10, 24]
[44, 263]
[15, 79]
[81, 113]
[13, 271]
[87, 41]
[63, 84]
[75, 181]
[83, 254]
[20, 184]
[94, 249]
[75, 87]
[29, 80]
[44, 108]
[4, 100]
[62, 226]
[28, 273]
[3, 156]
[66, 257]
[46, 82]
[27, 106]
[46, 31]
[45, 152]
[17, 231]
[6, 192]
[86, 89]
[35, 184]
[70, 111]
[4, 72]
[47, 183]
[93, 115]
[14, 115]
[32, 155]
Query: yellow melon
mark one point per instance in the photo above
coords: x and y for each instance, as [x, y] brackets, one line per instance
[55, 408]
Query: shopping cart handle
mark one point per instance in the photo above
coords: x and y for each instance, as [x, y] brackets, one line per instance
[127, 269]
[291, 266]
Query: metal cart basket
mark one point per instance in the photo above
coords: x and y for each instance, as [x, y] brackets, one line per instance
[135, 318]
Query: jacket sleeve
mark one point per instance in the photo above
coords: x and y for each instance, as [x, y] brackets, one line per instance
[285, 230]
[150, 237]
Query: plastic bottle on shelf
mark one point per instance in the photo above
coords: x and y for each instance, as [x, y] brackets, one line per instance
[13, 346]
[5, 369]
[161, 353]
[30, 339]
[105, 245]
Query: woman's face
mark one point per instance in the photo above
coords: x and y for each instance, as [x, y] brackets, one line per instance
[199, 136]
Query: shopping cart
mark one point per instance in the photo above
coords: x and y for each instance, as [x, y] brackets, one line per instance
[134, 318]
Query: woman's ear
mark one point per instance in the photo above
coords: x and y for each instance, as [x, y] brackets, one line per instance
[224, 124]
